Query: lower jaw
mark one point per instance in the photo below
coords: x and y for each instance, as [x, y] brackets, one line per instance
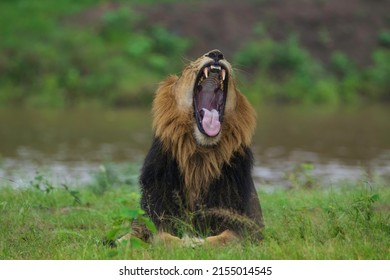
[205, 140]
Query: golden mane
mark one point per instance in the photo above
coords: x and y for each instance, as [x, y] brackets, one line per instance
[174, 126]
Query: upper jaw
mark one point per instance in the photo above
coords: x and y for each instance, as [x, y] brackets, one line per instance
[211, 66]
[214, 67]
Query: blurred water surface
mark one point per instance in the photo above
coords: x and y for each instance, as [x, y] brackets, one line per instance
[69, 146]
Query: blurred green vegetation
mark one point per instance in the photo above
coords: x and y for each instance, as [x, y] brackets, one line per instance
[50, 56]
[69, 53]
[284, 72]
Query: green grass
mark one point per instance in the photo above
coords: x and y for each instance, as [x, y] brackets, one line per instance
[345, 221]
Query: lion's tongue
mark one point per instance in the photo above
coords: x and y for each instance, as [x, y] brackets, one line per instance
[210, 122]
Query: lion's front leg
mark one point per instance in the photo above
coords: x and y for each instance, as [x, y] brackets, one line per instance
[162, 237]
[225, 237]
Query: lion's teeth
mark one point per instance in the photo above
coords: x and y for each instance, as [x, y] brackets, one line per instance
[223, 73]
[206, 72]
[215, 67]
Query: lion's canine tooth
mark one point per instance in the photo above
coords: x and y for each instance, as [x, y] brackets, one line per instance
[223, 73]
[206, 72]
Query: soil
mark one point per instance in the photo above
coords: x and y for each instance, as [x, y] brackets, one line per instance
[322, 26]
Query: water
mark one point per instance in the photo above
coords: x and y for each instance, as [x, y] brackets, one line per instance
[69, 146]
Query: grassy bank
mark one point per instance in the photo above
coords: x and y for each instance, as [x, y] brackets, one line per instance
[344, 221]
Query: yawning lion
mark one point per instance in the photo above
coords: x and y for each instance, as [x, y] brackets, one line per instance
[196, 178]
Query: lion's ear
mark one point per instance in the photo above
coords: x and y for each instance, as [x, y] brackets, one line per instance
[165, 86]
[171, 79]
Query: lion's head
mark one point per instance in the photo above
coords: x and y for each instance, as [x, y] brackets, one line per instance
[202, 116]
[207, 89]
[206, 86]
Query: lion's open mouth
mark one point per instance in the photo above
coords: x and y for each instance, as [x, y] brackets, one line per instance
[210, 93]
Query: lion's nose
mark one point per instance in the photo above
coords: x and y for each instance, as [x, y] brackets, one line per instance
[216, 55]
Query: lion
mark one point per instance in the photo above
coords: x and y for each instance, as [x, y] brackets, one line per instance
[196, 179]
